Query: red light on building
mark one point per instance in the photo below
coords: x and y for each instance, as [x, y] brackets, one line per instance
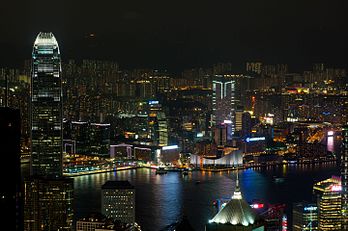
[257, 206]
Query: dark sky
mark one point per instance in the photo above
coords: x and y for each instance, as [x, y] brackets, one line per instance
[180, 34]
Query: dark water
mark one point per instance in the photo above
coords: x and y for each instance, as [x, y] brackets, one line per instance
[162, 199]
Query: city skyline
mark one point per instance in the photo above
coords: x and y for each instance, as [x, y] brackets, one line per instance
[137, 115]
[181, 35]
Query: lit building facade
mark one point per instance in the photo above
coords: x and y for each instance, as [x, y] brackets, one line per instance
[48, 204]
[48, 196]
[328, 194]
[46, 107]
[157, 124]
[118, 201]
[305, 217]
[344, 177]
[224, 101]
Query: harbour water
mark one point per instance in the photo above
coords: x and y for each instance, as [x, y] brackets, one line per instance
[162, 199]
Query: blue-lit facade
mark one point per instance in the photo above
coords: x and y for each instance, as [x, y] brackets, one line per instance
[46, 107]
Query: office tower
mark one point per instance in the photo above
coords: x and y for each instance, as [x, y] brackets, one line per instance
[304, 216]
[328, 194]
[246, 125]
[80, 136]
[224, 100]
[344, 177]
[239, 119]
[11, 190]
[118, 201]
[100, 139]
[236, 214]
[157, 124]
[46, 107]
[48, 195]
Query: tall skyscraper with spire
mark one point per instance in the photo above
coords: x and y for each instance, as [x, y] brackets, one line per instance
[48, 200]
[46, 107]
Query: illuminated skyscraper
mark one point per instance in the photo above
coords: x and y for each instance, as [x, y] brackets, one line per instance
[118, 201]
[224, 101]
[344, 177]
[48, 196]
[329, 203]
[46, 107]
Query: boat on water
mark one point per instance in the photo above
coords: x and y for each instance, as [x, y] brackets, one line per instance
[161, 171]
[278, 179]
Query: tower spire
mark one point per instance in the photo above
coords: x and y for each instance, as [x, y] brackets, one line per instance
[237, 193]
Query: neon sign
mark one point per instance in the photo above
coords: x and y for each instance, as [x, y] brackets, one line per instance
[253, 139]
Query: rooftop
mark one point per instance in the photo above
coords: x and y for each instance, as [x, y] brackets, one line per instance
[237, 211]
[45, 38]
[123, 184]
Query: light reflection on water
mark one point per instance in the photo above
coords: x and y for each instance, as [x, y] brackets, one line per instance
[163, 199]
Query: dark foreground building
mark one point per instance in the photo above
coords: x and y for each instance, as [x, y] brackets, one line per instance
[11, 205]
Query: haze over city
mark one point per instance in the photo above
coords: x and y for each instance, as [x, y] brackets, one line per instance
[176, 35]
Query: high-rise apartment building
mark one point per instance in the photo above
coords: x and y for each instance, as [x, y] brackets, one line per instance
[118, 201]
[344, 177]
[46, 107]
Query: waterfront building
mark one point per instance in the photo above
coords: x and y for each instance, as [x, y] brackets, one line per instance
[11, 190]
[344, 177]
[236, 214]
[100, 139]
[80, 136]
[48, 196]
[304, 217]
[118, 201]
[328, 194]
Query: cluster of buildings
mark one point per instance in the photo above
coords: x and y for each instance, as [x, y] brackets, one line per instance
[207, 112]
[206, 117]
[327, 212]
[45, 199]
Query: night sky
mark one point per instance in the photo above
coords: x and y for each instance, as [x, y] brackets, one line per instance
[179, 34]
